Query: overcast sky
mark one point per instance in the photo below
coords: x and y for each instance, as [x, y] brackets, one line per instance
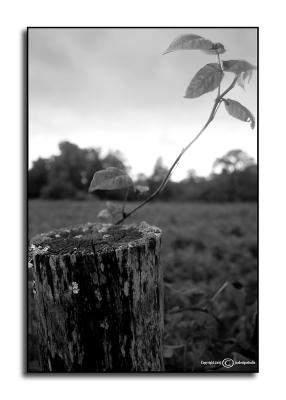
[113, 89]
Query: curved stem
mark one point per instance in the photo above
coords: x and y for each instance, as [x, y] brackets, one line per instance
[231, 86]
[165, 180]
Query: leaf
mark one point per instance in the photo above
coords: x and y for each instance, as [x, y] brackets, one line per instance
[110, 179]
[116, 170]
[104, 214]
[237, 110]
[243, 69]
[141, 189]
[241, 81]
[206, 79]
[189, 42]
[237, 66]
[242, 78]
[195, 42]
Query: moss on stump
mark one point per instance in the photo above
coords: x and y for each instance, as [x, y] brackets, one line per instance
[99, 298]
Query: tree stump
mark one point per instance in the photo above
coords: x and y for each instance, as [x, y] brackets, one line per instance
[99, 298]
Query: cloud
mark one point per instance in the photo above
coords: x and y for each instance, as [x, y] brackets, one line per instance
[114, 88]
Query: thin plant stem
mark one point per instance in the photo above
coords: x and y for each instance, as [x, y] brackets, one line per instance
[165, 180]
[219, 60]
[219, 63]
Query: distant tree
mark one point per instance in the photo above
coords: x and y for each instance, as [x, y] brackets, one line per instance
[93, 163]
[67, 176]
[246, 184]
[192, 175]
[233, 160]
[237, 178]
[59, 188]
[160, 171]
[70, 172]
[141, 178]
[71, 163]
[38, 177]
[64, 173]
[114, 159]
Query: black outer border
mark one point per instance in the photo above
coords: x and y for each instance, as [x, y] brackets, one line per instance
[25, 88]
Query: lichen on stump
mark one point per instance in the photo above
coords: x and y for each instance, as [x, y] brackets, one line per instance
[99, 298]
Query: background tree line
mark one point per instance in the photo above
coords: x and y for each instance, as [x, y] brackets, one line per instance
[68, 175]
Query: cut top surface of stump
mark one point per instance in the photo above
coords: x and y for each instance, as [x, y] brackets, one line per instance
[92, 237]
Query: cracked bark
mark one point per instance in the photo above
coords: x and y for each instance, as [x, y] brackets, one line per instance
[99, 298]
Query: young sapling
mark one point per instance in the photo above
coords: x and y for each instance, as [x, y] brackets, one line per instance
[207, 79]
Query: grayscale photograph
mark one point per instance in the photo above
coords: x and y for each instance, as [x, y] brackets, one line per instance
[142, 200]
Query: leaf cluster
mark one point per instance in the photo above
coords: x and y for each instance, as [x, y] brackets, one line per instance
[210, 77]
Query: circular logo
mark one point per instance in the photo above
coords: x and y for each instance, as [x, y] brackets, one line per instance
[228, 362]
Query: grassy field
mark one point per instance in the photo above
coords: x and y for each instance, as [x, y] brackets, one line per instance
[209, 258]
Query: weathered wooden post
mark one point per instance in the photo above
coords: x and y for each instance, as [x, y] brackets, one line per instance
[99, 298]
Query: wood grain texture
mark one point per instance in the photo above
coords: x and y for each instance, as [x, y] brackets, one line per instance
[99, 298]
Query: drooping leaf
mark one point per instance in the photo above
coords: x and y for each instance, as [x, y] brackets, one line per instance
[110, 179]
[238, 111]
[242, 78]
[237, 66]
[141, 189]
[243, 69]
[104, 214]
[195, 42]
[206, 79]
